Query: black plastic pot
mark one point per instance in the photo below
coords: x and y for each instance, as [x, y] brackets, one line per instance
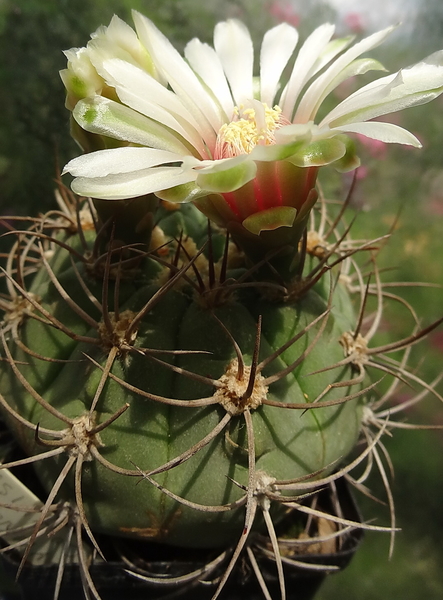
[161, 562]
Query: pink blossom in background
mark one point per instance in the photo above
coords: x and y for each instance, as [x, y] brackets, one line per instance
[433, 194]
[284, 11]
[436, 339]
[355, 22]
[435, 206]
[361, 173]
[376, 148]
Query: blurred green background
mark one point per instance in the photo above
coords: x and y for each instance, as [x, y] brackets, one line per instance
[395, 182]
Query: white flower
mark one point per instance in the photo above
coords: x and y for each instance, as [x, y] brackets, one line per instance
[84, 76]
[197, 128]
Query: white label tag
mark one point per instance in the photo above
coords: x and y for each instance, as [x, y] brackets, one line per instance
[45, 550]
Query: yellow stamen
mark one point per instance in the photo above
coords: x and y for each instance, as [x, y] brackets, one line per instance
[243, 133]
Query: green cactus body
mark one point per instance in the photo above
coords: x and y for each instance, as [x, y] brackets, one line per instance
[288, 443]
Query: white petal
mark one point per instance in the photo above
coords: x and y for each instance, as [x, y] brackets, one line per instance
[179, 125]
[206, 63]
[121, 34]
[216, 166]
[304, 64]
[79, 65]
[118, 31]
[102, 49]
[368, 96]
[296, 131]
[332, 49]
[124, 74]
[277, 48]
[118, 160]
[106, 117]
[119, 40]
[384, 132]
[318, 90]
[409, 87]
[233, 45]
[181, 78]
[359, 66]
[131, 185]
[143, 93]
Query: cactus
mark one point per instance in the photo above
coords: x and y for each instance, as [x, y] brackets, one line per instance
[185, 358]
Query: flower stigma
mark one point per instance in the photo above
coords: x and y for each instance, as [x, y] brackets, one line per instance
[248, 128]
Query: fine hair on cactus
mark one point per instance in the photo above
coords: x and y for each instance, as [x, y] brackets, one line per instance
[190, 367]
